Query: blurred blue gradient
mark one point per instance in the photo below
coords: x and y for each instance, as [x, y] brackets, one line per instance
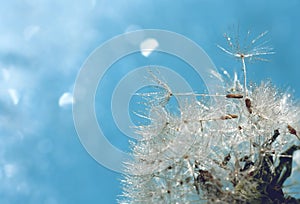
[43, 44]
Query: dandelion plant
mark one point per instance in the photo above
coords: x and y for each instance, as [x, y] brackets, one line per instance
[238, 149]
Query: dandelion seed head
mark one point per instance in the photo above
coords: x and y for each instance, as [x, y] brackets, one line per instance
[227, 149]
[227, 152]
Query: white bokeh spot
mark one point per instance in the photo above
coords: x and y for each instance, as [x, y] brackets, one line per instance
[148, 46]
[10, 170]
[65, 99]
[14, 96]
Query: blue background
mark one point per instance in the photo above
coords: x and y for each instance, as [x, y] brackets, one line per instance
[43, 45]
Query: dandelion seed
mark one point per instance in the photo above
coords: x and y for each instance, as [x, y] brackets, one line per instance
[234, 96]
[248, 105]
[229, 116]
[250, 51]
[293, 131]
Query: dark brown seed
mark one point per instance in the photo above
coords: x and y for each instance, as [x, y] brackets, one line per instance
[234, 96]
[233, 115]
[248, 105]
[292, 130]
[226, 159]
[229, 116]
[225, 117]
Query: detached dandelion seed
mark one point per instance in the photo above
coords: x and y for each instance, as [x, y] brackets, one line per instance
[250, 51]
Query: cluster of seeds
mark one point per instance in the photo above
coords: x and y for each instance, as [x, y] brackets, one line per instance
[236, 149]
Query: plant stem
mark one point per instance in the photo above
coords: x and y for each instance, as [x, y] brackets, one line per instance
[245, 76]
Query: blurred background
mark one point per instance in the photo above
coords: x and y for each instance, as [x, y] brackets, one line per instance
[43, 45]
